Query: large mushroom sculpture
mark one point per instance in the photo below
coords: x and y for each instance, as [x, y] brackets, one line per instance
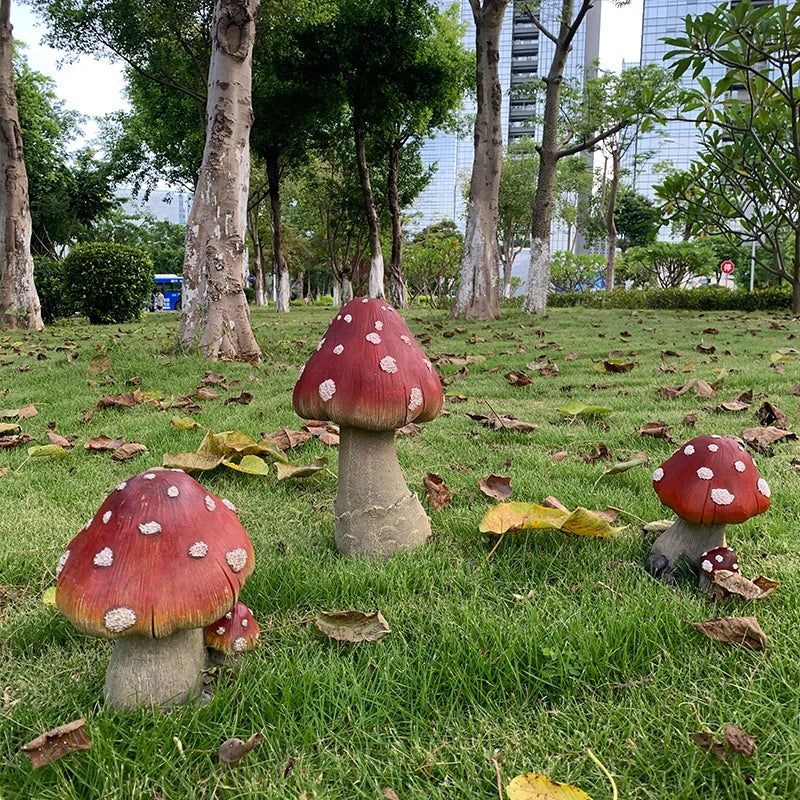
[708, 482]
[370, 377]
[161, 559]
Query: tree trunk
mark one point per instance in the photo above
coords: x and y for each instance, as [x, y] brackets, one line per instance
[258, 256]
[375, 252]
[611, 225]
[398, 291]
[477, 296]
[19, 301]
[508, 262]
[214, 304]
[279, 266]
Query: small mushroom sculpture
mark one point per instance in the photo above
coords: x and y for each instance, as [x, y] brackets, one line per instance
[370, 376]
[161, 559]
[230, 635]
[708, 482]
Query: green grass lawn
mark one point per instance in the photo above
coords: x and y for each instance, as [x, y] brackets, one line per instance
[519, 657]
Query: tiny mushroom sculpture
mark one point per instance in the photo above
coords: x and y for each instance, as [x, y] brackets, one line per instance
[232, 634]
[708, 482]
[371, 377]
[160, 559]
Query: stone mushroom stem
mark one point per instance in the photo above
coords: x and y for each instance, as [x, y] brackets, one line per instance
[683, 538]
[376, 514]
[155, 672]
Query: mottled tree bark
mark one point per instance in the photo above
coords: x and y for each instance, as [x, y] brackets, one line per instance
[398, 291]
[215, 308]
[19, 301]
[478, 290]
[375, 251]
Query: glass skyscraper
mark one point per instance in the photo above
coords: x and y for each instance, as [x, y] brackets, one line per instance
[524, 54]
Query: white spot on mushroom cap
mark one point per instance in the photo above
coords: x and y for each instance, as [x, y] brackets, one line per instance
[106, 517]
[718, 558]
[378, 325]
[338, 350]
[244, 623]
[149, 528]
[88, 522]
[713, 448]
[707, 566]
[735, 565]
[210, 504]
[121, 486]
[198, 550]
[327, 389]
[220, 631]
[348, 318]
[763, 487]
[365, 300]
[415, 400]
[173, 491]
[149, 476]
[739, 466]
[658, 474]
[373, 338]
[229, 615]
[722, 497]
[239, 644]
[715, 436]
[405, 338]
[228, 504]
[322, 342]
[428, 364]
[237, 559]
[388, 364]
[688, 450]
[105, 558]
[119, 619]
[705, 473]
[62, 561]
[338, 316]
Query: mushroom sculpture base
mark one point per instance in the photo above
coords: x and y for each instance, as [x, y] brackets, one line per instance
[155, 672]
[683, 538]
[376, 513]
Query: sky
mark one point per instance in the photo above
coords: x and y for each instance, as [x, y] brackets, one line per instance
[95, 88]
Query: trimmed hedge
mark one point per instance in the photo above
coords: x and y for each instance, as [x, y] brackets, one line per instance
[108, 282]
[48, 277]
[704, 298]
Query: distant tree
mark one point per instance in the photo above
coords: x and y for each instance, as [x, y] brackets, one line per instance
[478, 295]
[433, 257]
[667, 265]
[745, 184]
[637, 220]
[19, 302]
[575, 273]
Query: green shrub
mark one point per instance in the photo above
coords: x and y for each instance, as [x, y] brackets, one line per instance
[704, 298]
[250, 294]
[324, 300]
[108, 282]
[48, 277]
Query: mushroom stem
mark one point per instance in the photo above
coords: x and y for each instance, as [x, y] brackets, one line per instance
[155, 672]
[376, 513]
[683, 538]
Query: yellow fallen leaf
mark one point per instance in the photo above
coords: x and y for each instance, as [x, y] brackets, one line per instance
[252, 465]
[49, 596]
[512, 517]
[534, 786]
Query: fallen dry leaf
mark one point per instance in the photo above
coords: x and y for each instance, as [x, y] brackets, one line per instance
[496, 486]
[727, 583]
[690, 420]
[243, 399]
[409, 429]
[504, 422]
[706, 742]
[101, 363]
[559, 456]
[740, 742]
[127, 451]
[518, 378]
[101, 443]
[658, 430]
[658, 526]
[439, 496]
[554, 502]
[535, 786]
[617, 365]
[637, 460]
[512, 517]
[285, 438]
[734, 406]
[352, 626]
[20, 439]
[735, 631]
[770, 414]
[57, 743]
[232, 751]
[206, 393]
[329, 439]
[57, 438]
[213, 378]
[762, 439]
[389, 794]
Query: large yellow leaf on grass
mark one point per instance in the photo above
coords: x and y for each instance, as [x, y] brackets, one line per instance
[533, 786]
[512, 517]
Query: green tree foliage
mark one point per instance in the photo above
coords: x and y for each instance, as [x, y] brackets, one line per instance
[48, 275]
[69, 192]
[667, 265]
[575, 273]
[745, 184]
[637, 220]
[108, 282]
[432, 263]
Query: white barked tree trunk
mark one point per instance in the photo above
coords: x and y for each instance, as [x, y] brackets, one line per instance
[215, 314]
[19, 301]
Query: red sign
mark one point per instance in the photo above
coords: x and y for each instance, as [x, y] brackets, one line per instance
[726, 267]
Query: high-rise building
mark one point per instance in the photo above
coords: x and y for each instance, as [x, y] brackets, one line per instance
[524, 54]
[676, 144]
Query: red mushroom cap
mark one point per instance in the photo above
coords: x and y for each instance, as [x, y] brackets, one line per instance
[161, 554]
[368, 372]
[719, 558]
[712, 479]
[235, 632]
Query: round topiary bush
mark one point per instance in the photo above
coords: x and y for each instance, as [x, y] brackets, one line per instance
[108, 282]
[48, 277]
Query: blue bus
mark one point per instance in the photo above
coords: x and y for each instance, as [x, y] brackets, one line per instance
[170, 285]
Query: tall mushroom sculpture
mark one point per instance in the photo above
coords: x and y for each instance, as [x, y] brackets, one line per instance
[708, 482]
[161, 559]
[370, 376]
